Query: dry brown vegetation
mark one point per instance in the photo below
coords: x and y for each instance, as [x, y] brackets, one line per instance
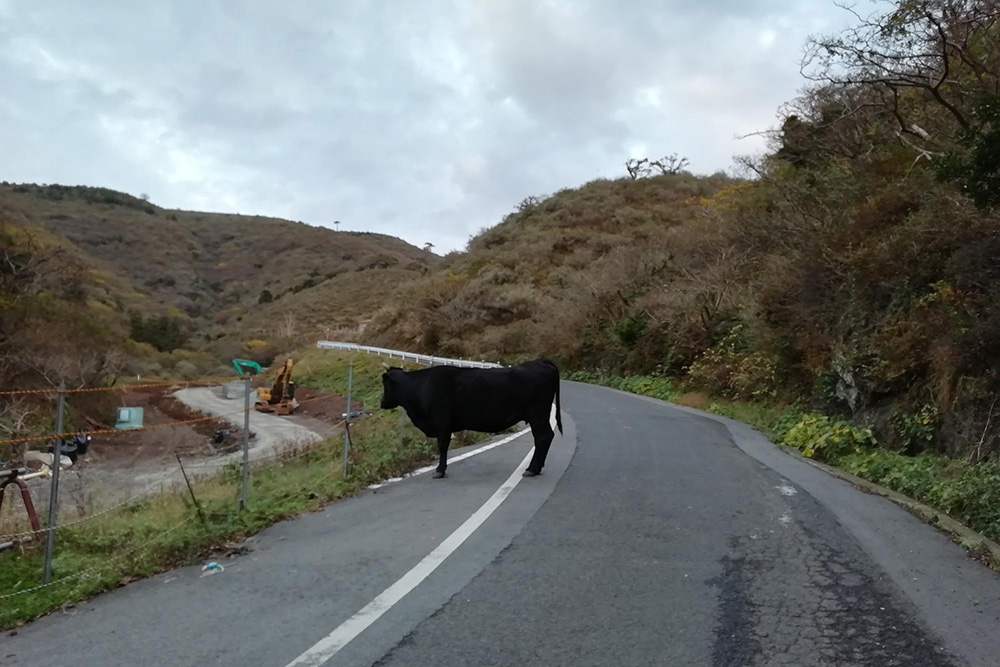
[208, 268]
[855, 271]
[554, 272]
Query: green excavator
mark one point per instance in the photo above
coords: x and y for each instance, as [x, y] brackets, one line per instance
[241, 364]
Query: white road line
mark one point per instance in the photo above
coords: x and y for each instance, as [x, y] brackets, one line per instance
[327, 647]
[426, 469]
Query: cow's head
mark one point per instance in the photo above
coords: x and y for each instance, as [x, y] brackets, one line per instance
[391, 391]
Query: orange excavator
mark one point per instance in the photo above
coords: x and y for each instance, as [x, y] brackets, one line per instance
[280, 398]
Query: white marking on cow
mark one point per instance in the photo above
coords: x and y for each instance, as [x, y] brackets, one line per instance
[327, 647]
[787, 490]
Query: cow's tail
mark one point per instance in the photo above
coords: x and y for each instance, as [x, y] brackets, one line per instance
[558, 410]
[558, 382]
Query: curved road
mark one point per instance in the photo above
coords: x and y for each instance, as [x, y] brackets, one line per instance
[657, 536]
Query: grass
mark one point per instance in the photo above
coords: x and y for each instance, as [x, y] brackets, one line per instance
[327, 370]
[968, 493]
[165, 531]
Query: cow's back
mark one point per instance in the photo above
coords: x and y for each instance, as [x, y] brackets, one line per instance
[495, 399]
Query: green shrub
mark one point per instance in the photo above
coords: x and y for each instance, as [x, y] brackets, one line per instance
[656, 387]
[731, 368]
[821, 437]
[916, 431]
[969, 494]
[772, 420]
[646, 385]
[163, 333]
[630, 330]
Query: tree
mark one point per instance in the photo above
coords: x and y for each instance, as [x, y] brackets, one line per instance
[336, 225]
[265, 297]
[669, 164]
[925, 61]
[32, 276]
[286, 329]
[428, 246]
[976, 163]
[163, 333]
[14, 415]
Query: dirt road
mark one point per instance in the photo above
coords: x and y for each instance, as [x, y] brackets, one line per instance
[271, 433]
[106, 482]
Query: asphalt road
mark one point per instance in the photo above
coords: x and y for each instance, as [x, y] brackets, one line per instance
[656, 536]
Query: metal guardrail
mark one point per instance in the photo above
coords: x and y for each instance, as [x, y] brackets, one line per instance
[422, 359]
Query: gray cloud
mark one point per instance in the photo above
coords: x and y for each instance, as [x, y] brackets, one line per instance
[423, 120]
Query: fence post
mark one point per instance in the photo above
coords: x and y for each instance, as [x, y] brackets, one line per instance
[246, 443]
[50, 536]
[347, 421]
[194, 498]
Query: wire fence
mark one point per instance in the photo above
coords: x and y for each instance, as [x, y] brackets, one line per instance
[140, 429]
[39, 476]
[111, 563]
[177, 478]
[129, 387]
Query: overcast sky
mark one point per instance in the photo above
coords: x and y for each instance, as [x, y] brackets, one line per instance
[424, 119]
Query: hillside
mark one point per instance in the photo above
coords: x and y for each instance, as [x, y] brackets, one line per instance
[854, 272]
[177, 293]
[206, 267]
[875, 297]
[551, 274]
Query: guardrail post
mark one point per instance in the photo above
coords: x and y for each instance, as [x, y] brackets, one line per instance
[50, 537]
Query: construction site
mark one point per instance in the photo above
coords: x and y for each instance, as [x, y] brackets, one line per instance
[158, 427]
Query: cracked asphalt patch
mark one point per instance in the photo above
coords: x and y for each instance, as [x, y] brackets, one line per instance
[798, 596]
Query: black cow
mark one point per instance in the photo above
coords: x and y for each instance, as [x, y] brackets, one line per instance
[443, 400]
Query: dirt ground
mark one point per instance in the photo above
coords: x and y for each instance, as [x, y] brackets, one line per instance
[318, 411]
[127, 463]
[159, 408]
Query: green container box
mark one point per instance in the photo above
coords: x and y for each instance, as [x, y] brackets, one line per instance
[128, 418]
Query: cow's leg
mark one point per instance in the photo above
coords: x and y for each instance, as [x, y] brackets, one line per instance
[543, 434]
[443, 442]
